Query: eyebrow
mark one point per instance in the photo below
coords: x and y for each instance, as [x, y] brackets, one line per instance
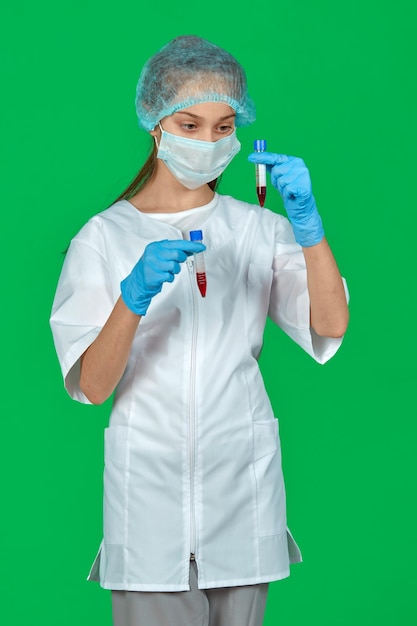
[199, 117]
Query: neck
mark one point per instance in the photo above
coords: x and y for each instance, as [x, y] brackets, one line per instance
[165, 194]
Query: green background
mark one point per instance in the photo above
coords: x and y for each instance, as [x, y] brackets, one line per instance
[333, 83]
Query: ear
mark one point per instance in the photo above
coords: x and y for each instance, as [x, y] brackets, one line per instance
[156, 136]
[156, 132]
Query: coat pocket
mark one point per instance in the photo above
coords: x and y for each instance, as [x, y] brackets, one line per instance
[270, 490]
[265, 438]
[115, 476]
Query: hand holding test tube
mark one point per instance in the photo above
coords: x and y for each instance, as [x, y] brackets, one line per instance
[290, 176]
[159, 263]
[199, 266]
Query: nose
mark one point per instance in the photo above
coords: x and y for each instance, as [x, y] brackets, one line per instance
[208, 135]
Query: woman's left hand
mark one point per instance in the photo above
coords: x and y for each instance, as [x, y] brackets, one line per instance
[290, 176]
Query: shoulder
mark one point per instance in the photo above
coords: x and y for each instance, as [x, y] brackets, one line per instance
[120, 214]
[115, 218]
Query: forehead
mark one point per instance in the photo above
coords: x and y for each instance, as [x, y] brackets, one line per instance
[208, 110]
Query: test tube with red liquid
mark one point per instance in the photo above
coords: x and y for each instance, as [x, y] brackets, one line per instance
[260, 169]
[199, 266]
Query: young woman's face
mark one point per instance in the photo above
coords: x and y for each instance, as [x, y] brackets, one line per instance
[207, 121]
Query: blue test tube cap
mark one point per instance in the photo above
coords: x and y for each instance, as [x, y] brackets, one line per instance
[196, 235]
[259, 145]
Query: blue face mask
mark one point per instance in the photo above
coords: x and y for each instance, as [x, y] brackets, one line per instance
[194, 162]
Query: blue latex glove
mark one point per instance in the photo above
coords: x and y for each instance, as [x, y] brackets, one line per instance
[158, 265]
[290, 176]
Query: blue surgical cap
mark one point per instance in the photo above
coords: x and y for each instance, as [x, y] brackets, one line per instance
[189, 70]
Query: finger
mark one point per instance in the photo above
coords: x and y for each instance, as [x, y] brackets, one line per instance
[163, 277]
[292, 167]
[160, 267]
[189, 247]
[154, 280]
[167, 277]
[292, 192]
[268, 158]
[158, 252]
[171, 267]
[163, 255]
[295, 178]
[177, 249]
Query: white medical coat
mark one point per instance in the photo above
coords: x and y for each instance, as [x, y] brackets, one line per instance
[192, 452]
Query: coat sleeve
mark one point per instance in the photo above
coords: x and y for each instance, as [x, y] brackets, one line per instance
[289, 305]
[83, 301]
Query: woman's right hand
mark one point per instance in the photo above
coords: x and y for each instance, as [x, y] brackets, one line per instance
[158, 265]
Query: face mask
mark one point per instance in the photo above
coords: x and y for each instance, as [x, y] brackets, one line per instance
[195, 162]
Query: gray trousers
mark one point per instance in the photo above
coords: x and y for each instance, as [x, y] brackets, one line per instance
[228, 606]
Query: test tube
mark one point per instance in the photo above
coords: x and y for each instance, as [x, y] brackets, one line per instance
[200, 268]
[260, 169]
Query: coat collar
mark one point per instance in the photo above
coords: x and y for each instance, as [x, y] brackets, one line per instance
[219, 228]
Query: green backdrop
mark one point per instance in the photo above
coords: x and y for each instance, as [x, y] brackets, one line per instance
[333, 83]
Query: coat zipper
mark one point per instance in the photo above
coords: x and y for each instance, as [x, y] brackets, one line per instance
[191, 412]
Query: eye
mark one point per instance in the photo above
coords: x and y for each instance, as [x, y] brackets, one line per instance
[189, 126]
[225, 129]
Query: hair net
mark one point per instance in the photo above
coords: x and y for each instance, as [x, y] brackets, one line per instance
[186, 71]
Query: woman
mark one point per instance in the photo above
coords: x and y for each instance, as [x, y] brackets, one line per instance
[194, 497]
